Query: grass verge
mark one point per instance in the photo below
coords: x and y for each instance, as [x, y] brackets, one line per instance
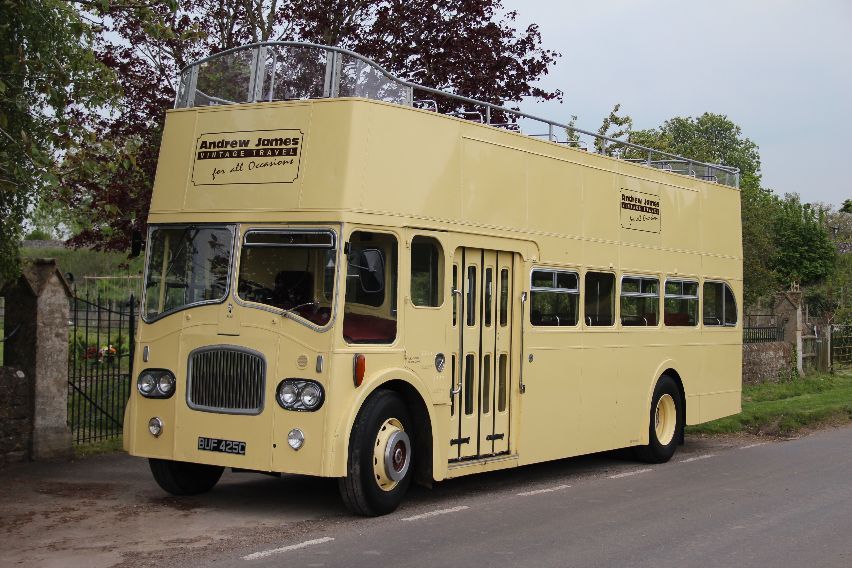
[108, 446]
[780, 409]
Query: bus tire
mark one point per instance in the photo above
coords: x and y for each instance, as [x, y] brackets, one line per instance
[379, 468]
[182, 478]
[665, 425]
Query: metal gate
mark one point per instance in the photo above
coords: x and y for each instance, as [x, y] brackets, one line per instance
[841, 347]
[100, 357]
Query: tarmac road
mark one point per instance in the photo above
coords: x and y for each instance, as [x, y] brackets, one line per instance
[720, 502]
[786, 504]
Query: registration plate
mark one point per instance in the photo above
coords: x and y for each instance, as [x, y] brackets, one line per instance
[222, 446]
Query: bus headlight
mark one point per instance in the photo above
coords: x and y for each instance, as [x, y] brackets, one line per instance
[288, 394]
[302, 395]
[146, 384]
[155, 426]
[310, 396]
[166, 384]
[156, 383]
[295, 438]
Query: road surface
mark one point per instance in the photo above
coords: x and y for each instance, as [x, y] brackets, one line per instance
[719, 502]
[787, 504]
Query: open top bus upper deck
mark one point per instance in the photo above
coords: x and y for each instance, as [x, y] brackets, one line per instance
[278, 71]
[305, 134]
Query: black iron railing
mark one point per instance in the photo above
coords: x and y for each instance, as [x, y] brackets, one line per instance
[100, 356]
[763, 334]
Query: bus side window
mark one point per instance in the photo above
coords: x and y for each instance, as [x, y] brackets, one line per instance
[681, 303]
[599, 301]
[369, 310]
[427, 263]
[730, 307]
[640, 301]
[720, 307]
[554, 298]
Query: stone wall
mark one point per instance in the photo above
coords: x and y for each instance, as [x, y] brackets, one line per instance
[767, 362]
[16, 400]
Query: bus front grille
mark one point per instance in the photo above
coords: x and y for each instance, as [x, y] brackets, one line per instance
[226, 379]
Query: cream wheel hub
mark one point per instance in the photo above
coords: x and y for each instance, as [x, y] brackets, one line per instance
[665, 419]
[391, 454]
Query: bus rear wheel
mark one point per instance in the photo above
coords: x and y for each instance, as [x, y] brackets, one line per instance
[182, 478]
[665, 425]
[380, 457]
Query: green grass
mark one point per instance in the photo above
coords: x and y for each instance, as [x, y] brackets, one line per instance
[788, 407]
[109, 446]
[86, 262]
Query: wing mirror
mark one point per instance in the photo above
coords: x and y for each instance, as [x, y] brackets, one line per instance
[371, 270]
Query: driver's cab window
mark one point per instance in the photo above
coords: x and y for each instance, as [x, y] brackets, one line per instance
[369, 312]
[290, 270]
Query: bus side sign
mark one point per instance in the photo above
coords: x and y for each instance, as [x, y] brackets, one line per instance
[640, 211]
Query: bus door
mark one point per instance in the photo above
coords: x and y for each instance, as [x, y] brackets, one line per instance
[482, 282]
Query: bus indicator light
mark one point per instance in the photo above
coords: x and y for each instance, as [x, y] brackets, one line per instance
[359, 367]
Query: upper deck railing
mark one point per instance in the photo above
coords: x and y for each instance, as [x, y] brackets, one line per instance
[287, 70]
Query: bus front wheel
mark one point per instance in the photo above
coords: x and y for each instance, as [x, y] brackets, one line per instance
[665, 423]
[182, 478]
[380, 456]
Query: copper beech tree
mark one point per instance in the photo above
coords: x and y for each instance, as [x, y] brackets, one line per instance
[471, 47]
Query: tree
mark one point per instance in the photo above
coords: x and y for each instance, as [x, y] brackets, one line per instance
[804, 252]
[471, 47]
[623, 126]
[847, 206]
[711, 138]
[49, 74]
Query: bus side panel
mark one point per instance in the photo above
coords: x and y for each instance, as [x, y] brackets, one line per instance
[550, 407]
[721, 395]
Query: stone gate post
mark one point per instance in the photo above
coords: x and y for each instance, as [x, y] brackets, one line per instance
[37, 311]
[788, 309]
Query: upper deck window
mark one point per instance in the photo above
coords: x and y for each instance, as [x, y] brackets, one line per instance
[554, 298]
[187, 265]
[369, 313]
[681, 303]
[640, 301]
[290, 270]
[720, 307]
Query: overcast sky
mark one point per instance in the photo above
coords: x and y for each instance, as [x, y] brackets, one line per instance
[781, 69]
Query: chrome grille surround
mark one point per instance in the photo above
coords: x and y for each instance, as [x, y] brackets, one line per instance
[226, 379]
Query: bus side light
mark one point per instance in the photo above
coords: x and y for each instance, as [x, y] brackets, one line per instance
[359, 366]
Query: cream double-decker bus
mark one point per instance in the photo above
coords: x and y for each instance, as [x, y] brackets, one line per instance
[353, 276]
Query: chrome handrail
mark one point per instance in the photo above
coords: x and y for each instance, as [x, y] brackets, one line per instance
[189, 75]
